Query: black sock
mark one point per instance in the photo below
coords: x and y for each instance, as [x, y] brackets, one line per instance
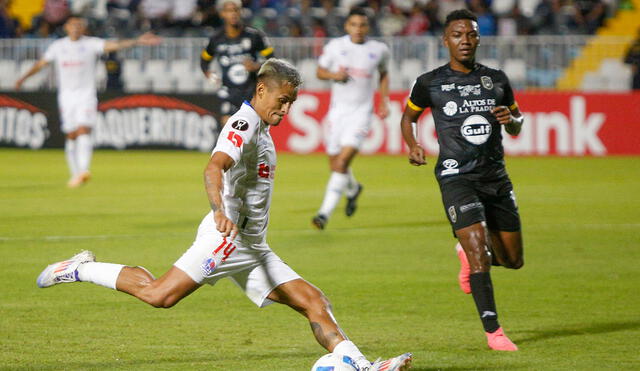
[482, 292]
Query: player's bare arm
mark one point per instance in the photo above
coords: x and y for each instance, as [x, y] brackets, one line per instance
[32, 71]
[341, 76]
[218, 164]
[251, 65]
[416, 152]
[511, 119]
[383, 107]
[147, 38]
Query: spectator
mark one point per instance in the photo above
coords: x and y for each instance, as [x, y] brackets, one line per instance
[56, 12]
[633, 58]
[486, 20]
[9, 26]
[417, 24]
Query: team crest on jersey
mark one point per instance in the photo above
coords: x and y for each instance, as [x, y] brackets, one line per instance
[450, 108]
[476, 129]
[246, 43]
[448, 87]
[487, 83]
[241, 125]
[452, 214]
[466, 90]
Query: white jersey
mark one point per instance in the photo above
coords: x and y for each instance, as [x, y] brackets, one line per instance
[75, 64]
[248, 184]
[361, 62]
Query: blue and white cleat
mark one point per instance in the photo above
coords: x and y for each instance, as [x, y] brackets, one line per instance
[399, 363]
[64, 271]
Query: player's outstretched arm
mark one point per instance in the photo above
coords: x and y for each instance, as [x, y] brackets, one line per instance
[512, 119]
[383, 107]
[147, 38]
[416, 152]
[218, 164]
[32, 71]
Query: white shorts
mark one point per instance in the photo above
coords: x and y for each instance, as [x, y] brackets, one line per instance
[347, 128]
[77, 112]
[247, 261]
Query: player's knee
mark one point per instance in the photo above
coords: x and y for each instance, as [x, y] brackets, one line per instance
[515, 263]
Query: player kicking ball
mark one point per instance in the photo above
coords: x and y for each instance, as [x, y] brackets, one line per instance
[231, 239]
[470, 104]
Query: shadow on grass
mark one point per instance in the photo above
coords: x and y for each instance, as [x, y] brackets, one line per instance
[591, 329]
[215, 362]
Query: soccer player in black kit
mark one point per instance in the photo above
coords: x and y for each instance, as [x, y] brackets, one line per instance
[470, 104]
[240, 51]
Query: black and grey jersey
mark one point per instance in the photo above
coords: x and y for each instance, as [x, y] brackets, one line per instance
[469, 135]
[231, 53]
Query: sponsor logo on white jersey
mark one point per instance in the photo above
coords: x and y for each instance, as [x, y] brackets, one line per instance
[450, 108]
[476, 129]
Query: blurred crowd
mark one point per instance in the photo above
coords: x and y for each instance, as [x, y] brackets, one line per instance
[314, 18]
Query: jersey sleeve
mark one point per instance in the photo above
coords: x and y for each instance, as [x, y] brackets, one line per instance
[383, 66]
[96, 45]
[208, 53]
[419, 98]
[50, 53]
[235, 134]
[326, 58]
[263, 46]
[508, 98]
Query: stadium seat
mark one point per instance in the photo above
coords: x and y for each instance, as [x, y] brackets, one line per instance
[516, 70]
[131, 67]
[410, 70]
[36, 81]
[395, 83]
[490, 62]
[8, 74]
[593, 81]
[307, 68]
[135, 83]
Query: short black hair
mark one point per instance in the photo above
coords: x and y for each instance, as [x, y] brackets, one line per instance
[459, 14]
[356, 10]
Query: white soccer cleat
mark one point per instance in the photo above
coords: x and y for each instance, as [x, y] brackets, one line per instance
[399, 363]
[64, 271]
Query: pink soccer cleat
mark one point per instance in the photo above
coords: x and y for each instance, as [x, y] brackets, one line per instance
[399, 363]
[499, 341]
[465, 270]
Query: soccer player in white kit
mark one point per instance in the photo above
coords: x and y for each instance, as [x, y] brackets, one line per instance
[75, 58]
[350, 62]
[231, 239]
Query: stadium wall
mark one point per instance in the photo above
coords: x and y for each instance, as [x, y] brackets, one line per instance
[557, 123]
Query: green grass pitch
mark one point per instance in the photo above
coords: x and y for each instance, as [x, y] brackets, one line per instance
[390, 270]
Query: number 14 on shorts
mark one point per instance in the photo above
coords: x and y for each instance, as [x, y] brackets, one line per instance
[218, 256]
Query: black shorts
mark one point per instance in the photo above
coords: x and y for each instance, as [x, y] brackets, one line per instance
[231, 99]
[467, 202]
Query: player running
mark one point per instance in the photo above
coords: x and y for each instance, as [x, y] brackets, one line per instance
[75, 58]
[470, 103]
[350, 62]
[231, 239]
[240, 51]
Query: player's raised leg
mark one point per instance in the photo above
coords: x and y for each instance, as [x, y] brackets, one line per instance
[474, 241]
[163, 292]
[507, 248]
[311, 302]
[337, 185]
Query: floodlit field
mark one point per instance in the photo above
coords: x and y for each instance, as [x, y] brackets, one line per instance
[390, 271]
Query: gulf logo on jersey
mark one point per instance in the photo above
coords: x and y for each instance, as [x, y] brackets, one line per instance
[476, 129]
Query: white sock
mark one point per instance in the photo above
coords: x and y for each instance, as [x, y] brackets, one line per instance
[84, 150]
[70, 154]
[352, 186]
[348, 348]
[335, 187]
[103, 274]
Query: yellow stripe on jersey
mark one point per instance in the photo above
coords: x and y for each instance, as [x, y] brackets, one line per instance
[413, 106]
[206, 56]
[266, 51]
[514, 106]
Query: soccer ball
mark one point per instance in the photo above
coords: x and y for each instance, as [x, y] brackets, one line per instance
[332, 362]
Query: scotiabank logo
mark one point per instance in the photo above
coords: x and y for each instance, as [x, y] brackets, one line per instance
[148, 120]
[22, 124]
